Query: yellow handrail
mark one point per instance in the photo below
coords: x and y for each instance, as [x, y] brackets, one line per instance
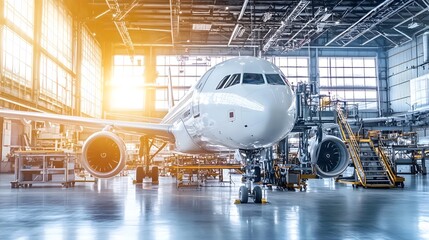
[385, 161]
[353, 145]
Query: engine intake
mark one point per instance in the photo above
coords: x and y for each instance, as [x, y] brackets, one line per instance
[330, 156]
[104, 154]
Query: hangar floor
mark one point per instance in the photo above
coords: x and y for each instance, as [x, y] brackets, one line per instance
[117, 209]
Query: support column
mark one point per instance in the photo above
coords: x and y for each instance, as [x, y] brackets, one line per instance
[150, 79]
[2, 23]
[1, 138]
[107, 62]
[36, 50]
[77, 79]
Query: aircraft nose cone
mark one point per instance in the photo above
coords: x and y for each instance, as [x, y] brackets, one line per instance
[274, 117]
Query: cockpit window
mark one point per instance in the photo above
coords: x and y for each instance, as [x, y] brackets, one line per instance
[285, 80]
[253, 78]
[233, 80]
[222, 82]
[274, 79]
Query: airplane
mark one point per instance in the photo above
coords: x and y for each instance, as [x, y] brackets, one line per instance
[243, 103]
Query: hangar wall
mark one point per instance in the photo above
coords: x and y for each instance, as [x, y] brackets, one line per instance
[405, 62]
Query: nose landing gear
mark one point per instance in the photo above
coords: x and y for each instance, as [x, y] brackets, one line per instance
[251, 177]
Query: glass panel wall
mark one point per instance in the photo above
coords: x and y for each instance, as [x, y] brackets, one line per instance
[294, 68]
[17, 58]
[55, 82]
[21, 14]
[352, 79]
[56, 77]
[185, 71]
[127, 84]
[91, 76]
[57, 31]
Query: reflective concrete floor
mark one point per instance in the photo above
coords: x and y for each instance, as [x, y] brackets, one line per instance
[117, 209]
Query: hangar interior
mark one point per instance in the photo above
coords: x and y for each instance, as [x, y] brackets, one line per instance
[131, 60]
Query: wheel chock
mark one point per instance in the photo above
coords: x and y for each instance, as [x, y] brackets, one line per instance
[264, 201]
[237, 201]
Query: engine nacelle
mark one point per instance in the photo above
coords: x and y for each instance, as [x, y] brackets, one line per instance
[104, 154]
[330, 156]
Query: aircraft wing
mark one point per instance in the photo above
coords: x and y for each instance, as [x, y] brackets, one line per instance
[159, 131]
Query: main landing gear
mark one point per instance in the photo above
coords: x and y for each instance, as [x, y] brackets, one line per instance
[147, 171]
[251, 177]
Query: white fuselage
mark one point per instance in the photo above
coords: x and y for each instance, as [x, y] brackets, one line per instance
[251, 111]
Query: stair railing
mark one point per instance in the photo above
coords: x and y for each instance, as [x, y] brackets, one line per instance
[354, 150]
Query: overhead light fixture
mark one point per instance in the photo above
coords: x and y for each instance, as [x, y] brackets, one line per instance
[413, 25]
[241, 32]
[226, 8]
[337, 22]
[267, 16]
[201, 27]
[325, 17]
[235, 32]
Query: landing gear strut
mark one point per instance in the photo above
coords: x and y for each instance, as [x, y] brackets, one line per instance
[144, 153]
[251, 176]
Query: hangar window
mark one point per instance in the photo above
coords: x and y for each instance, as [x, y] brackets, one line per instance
[222, 82]
[352, 79]
[253, 78]
[91, 76]
[294, 68]
[55, 82]
[235, 79]
[128, 83]
[57, 31]
[17, 58]
[274, 79]
[184, 72]
[21, 14]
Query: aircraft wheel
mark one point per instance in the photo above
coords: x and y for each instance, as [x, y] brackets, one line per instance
[155, 175]
[243, 194]
[139, 174]
[257, 192]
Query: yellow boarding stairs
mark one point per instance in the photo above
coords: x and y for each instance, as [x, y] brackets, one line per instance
[372, 167]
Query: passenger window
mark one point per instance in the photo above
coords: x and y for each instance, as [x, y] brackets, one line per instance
[274, 79]
[235, 79]
[253, 78]
[222, 82]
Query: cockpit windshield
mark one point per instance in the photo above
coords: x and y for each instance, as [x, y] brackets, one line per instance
[233, 80]
[253, 78]
[274, 79]
[222, 82]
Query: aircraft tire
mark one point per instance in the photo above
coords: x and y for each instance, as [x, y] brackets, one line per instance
[257, 192]
[155, 175]
[243, 194]
[139, 174]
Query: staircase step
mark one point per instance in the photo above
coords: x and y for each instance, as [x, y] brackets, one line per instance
[381, 185]
[372, 176]
[369, 181]
[374, 169]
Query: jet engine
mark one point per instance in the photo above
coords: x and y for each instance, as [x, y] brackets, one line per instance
[330, 156]
[104, 154]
